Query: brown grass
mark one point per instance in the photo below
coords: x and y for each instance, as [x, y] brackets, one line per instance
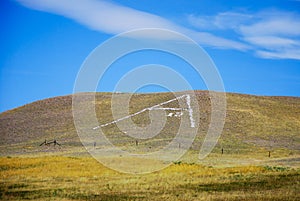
[69, 178]
[252, 122]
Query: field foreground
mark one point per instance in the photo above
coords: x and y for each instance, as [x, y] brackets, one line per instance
[83, 178]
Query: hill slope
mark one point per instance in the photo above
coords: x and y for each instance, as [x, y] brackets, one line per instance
[252, 123]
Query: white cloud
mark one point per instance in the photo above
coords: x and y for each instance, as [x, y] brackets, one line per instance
[275, 34]
[275, 25]
[202, 22]
[272, 41]
[271, 33]
[113, 18]
[99, 15]
[284, 54]
[225, 20]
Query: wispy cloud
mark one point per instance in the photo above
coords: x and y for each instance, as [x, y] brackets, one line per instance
[272, 41]
[285, 24]
[99, 15]
[112, 18]
[280, 54]
[225, 20]
[271, 33]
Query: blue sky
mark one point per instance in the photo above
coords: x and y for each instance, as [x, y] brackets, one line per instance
[254, 44]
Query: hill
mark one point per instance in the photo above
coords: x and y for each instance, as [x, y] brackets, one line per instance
[254, 126]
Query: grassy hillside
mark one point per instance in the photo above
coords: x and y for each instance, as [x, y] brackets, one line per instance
[254, 125]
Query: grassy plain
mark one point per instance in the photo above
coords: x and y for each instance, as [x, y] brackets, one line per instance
[83, 178]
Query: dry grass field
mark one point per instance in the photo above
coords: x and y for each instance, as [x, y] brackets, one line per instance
[260, 160]
[83, 178]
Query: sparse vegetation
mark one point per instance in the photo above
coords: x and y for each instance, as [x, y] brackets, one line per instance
[255, 127]
[252, 123]
[82, 178]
